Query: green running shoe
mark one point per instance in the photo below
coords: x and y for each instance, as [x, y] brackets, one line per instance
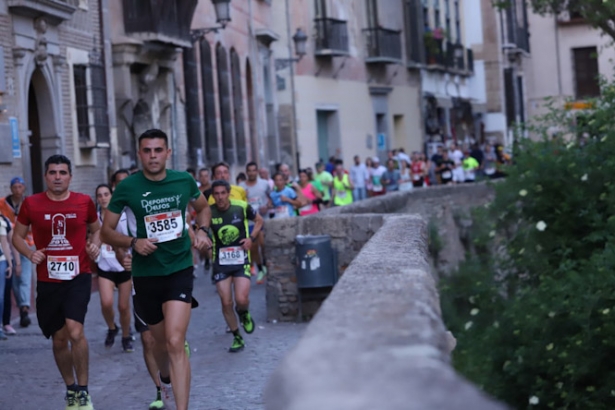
[260, 279]
[238, 344]
[85, 401]
[247, 322]
[71, 400]
[187, 348]
[157, 404]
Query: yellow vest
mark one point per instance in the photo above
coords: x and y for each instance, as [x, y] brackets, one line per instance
[237, 193]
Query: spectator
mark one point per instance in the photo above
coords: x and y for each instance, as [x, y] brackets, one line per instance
[369, 185]
[402, 156]
[445, 169]
[330, 167]
[359, 177]
[264, 174]
[391, 177]
[376, 175]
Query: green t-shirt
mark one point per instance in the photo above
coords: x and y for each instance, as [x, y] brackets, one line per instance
[229, 228]
[323, 177]
[157, 209]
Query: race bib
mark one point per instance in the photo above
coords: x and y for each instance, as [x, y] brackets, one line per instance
[490, 171]
[447, 175]
[165, 226]
[107, 252]
[231, 255]
[377, 188]
[416, 177]
[62, 267]
[341, 194]
[255, 203]
[306, 208]
[282, 212]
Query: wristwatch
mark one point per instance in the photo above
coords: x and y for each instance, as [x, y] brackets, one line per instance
[251, 238]
[204, 229]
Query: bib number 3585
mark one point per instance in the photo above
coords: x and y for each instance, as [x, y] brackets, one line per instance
[165, 226]
[63, 267]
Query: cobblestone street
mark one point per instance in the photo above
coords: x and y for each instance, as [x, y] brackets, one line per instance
[119, 381]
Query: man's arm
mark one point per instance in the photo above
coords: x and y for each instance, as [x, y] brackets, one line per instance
[19, 242]
[93, 246]
[203, 219]
[109, 235]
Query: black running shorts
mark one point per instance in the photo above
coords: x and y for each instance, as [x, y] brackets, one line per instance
[151, 292]
[116, 277]
[56, 302]
[242, 271]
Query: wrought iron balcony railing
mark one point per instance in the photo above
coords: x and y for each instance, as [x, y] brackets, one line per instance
[383, 45]
[331, 37]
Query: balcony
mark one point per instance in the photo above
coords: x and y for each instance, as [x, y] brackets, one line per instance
[434, 53]
[470, 59]
[331, 37]
[383, 46]
[54, 11]
[455, 57]
[161, 21]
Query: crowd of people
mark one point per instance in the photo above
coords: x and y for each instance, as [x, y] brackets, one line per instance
[149, 229]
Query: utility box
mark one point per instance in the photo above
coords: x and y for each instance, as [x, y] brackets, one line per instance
[316, 265]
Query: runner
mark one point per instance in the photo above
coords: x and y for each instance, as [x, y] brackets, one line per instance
[231, 260]
[283, 198]
[221, 171]
[155, 201]
[310, 192]
[60, 220]
[342, 187]
[111, 274]
[258, 191]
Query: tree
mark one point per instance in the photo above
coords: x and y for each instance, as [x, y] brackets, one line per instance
[599, 14]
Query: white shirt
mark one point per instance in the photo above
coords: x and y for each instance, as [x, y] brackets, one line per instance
[358, 175]
[456, 156]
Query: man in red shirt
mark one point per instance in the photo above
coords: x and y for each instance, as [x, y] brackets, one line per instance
[60, 221]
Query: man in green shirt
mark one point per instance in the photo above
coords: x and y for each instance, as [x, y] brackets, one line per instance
[326, 180]
[155, 202]
[231, 257]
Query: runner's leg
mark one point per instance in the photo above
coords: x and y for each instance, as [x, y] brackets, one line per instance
[242, 293]
[177, 317]
[148, 342]
[79, 350]
[226, 299]
[63, 356]
[124, 290]
[105, 287]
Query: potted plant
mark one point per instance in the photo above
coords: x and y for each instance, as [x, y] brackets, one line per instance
[432, 40]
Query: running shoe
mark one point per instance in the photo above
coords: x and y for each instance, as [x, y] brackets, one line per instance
[187, 348]
[247, 322]
[9, 330]
[25, 319]
[260, 279]
[3, 336]
[168, 399]
[127, 345]
[238, 344]
[252, 270]
[85, 401]
[71, 400]
[157, 405]
[110, 339]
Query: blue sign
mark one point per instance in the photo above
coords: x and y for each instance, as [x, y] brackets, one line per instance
[382, 142]
[15, 137]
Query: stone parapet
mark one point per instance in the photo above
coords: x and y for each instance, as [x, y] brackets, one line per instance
[378, 341]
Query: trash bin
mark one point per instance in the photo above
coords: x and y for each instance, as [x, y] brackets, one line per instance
[316, 265]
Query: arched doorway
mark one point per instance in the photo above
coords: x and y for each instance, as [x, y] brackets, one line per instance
[43, 137]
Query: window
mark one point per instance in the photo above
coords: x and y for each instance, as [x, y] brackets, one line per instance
[320, 7]
[209, 103]
[447, 19]
[457, 23]
[240, 136]
[81, 101]
[436, 13]
[224, 95]
[586, 72]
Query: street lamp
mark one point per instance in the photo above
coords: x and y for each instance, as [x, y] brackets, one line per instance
[223, 16]
[300, 40]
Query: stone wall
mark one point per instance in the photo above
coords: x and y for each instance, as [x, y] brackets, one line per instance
[348, 235]
[378, 341]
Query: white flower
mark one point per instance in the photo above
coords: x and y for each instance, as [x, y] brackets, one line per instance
[523, 192]
[584, 177]
[468, 325]
[606, 311]
[472, 299]
[474, 312]
[541, 226]
[534, 400]
[492, 234]
[603, 138]
[549, 347]
[521, 251]
[551, 314]
[570, 145]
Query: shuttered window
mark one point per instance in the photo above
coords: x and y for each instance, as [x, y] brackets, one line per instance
[586, 72]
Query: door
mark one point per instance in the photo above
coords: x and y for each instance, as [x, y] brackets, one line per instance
[36, 160]
[322, 124]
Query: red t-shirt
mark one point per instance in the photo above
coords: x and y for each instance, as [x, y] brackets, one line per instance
[60, 227]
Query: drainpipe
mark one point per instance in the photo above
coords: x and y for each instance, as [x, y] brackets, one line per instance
[294, 138]
[557, 56]
[105, 35]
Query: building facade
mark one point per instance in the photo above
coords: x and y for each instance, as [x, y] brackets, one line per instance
[570, 73]
[354, 92]
[53, 90]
